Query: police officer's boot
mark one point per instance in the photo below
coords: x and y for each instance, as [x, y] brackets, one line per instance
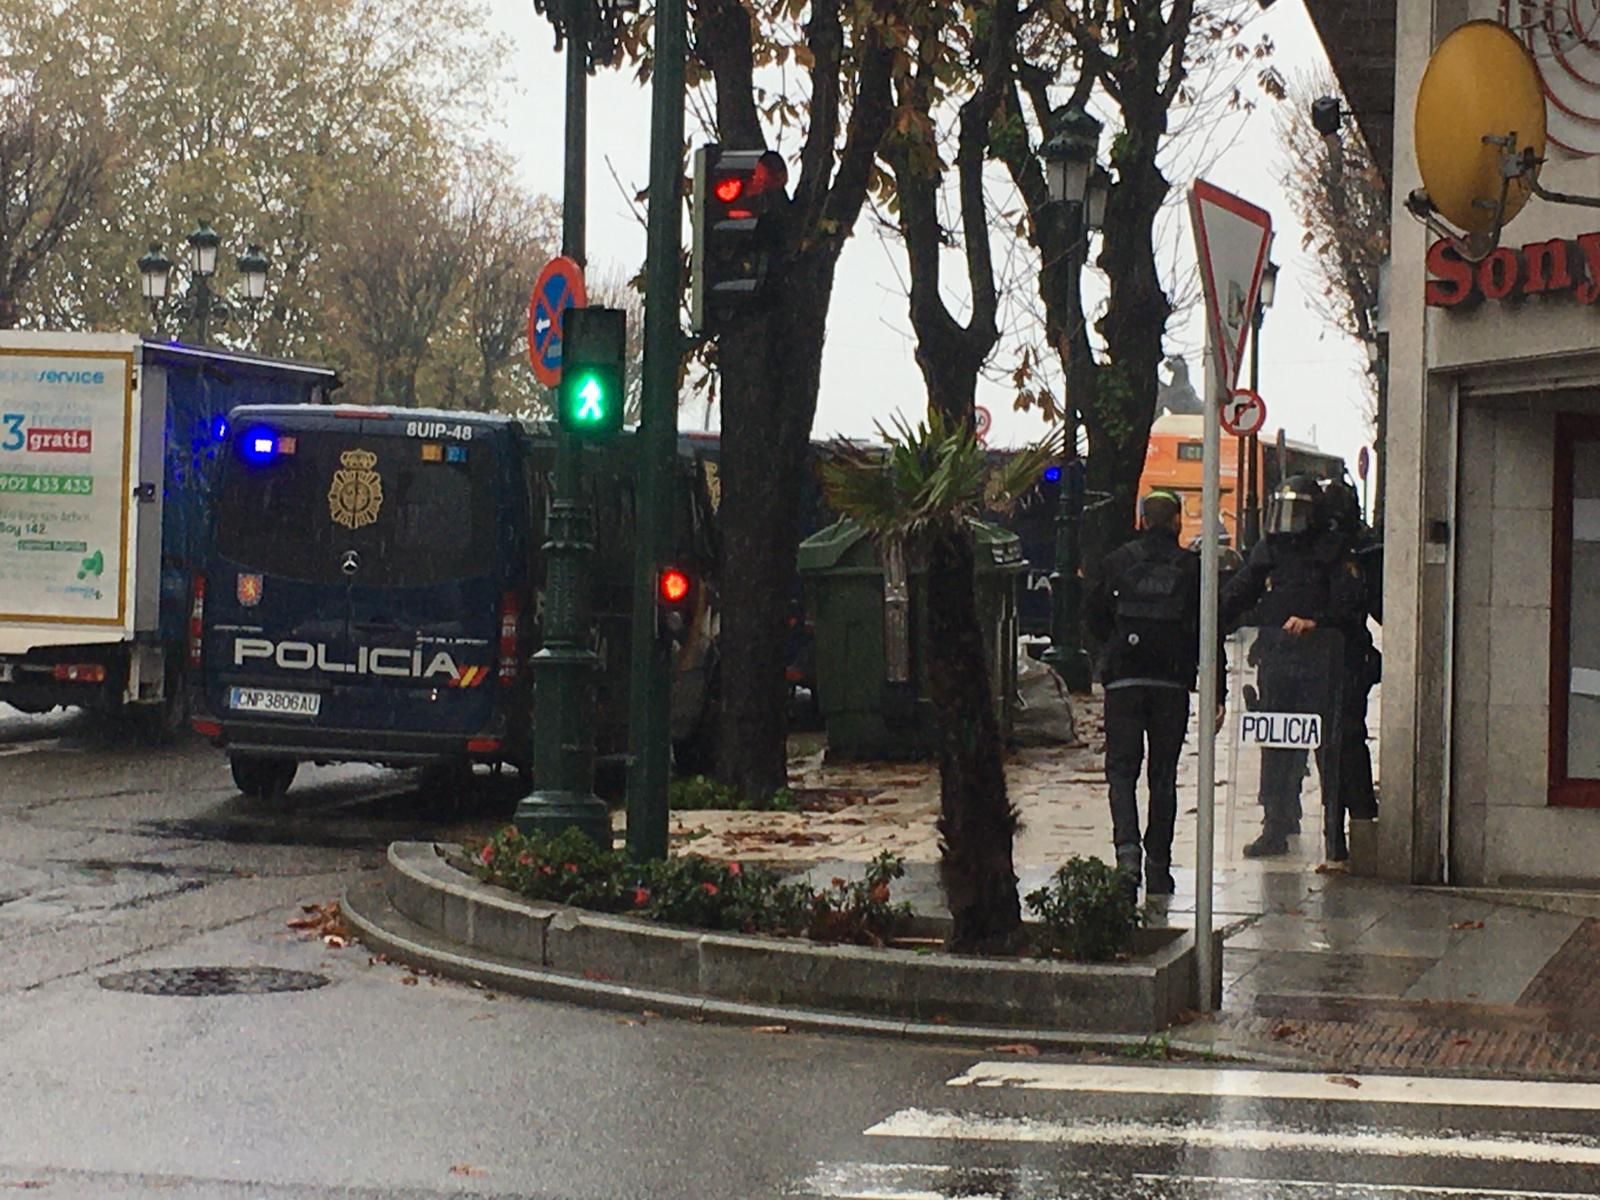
[1129, 859]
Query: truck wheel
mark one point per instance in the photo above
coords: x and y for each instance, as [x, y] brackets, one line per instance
[263, 778]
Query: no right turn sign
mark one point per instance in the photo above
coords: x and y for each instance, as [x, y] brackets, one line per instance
[1244, 413]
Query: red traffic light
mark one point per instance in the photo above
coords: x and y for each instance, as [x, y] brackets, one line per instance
[728, 190]
[673, 586]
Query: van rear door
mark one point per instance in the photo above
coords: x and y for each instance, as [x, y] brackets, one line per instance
[357, 576]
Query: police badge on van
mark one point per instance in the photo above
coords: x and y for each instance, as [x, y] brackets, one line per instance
[356, 494]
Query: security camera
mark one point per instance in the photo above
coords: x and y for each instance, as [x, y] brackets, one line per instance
[1326, 114]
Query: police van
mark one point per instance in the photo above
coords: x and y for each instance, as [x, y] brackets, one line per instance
[375, 584]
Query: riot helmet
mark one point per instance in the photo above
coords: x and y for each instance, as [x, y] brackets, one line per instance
[1341, 508]
[1295, 507]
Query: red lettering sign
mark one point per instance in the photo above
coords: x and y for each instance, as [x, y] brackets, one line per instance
[59, 441]
[1537, 269]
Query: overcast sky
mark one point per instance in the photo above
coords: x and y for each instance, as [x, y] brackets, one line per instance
[1310, 373]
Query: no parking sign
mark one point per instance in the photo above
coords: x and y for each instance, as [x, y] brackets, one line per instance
[559, 288]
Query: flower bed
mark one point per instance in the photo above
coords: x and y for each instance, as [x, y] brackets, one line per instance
[569, 868]
[1085, 912]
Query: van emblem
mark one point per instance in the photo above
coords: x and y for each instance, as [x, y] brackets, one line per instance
[356, 494]
[249, 590]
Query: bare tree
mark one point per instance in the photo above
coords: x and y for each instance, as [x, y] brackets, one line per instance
[1338, 193]
[513, 237]
[53, 165]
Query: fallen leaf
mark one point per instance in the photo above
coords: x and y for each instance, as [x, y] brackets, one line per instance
[1284, 1030]
[769, 1029]
[1467, 925]
[467, 1169]
[408, 981]
[1344, 1081]
[596, 976]
[1462, 1041]
[629, 1021]
[649, 1012]
[334, 940]
[1024, 1049]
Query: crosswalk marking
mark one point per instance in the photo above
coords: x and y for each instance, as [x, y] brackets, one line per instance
[922, 1124]
[1281, 1085]
[920, 1181]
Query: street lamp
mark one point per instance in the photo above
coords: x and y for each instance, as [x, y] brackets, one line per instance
[201, 307]
[1081, 186]
[1249, 528]
[155, 276]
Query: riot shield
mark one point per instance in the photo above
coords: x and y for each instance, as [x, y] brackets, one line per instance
[1284, 730]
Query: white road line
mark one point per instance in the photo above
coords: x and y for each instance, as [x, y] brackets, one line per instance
[1282, 1085]
[918, 1123]
[927, 1181]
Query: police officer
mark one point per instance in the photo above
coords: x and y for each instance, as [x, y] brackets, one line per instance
[1312, 571]
[1145, 611]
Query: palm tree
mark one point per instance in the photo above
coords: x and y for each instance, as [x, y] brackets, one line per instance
[923, 493]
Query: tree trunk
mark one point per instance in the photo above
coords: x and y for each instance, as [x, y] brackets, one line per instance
[1121, 410]
[976, 819]
[771, 365]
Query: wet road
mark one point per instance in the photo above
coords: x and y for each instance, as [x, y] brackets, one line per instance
[117, 859]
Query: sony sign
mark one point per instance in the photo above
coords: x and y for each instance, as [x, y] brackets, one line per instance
[1560, 266]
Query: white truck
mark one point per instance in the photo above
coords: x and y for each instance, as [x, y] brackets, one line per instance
[108, 447]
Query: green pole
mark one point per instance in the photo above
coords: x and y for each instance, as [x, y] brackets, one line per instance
[564, 668]
[649, 718]
[1066, 654]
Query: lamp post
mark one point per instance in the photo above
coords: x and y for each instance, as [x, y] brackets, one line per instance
[201, 307]
[1250, 527]
[564, 667]
[1076, 181]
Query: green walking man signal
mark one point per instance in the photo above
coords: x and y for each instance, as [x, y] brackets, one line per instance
[591, 397]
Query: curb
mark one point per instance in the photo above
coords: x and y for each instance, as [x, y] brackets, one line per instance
[383, 927]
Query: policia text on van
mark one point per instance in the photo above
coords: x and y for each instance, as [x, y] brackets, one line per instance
[376, 583]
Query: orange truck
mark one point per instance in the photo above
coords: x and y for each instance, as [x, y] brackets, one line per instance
[1174, 461]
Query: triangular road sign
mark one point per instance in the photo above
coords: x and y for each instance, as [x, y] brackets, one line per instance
[1232, 236]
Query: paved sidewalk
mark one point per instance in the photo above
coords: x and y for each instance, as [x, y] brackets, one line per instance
[1339, 972]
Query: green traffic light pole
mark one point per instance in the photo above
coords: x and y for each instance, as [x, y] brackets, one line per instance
[564, 668]
[649, 717]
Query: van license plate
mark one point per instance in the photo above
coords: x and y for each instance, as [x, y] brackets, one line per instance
[265, 700]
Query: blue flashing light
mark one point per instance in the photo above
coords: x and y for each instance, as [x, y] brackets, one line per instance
[1052, 474]
[455, 454]
[258, 445]
[219, 429]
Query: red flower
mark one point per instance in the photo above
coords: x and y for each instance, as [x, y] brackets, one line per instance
[709, 888]
[570, 868]
[735, 870]
[641, 897]
[546, 869]
[524, 858]
[486, 855]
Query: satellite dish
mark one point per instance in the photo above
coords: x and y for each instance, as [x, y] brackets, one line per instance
[1480, 83]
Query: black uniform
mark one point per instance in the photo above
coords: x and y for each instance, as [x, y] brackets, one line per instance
[1323, 575]
[1147, 699]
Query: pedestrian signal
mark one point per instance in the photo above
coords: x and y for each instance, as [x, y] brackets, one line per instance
[591, 397]
[739, 200]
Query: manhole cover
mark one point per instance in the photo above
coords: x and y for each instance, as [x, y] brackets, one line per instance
[212, 981]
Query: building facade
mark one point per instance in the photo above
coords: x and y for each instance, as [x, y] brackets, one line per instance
[1491, 696]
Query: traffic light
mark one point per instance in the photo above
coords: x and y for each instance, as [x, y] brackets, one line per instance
[739, 197]
[675, 600]
[594, 342]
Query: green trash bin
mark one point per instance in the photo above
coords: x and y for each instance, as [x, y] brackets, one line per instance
[870, 622]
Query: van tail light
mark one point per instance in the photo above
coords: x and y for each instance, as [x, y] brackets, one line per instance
[510, 628]
[197, 613]
[79, 673]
